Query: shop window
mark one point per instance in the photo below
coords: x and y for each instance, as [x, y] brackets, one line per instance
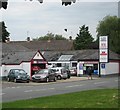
[74, 64]
[59, 64]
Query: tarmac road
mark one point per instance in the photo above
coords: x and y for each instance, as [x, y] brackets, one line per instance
[17, 91]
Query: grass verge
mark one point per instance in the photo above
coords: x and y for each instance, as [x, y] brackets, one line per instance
[101, 98]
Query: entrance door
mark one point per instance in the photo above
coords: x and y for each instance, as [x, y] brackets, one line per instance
[36, 67]
[94, 67]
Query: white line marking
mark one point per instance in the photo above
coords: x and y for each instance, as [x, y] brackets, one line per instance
[2, 93]
[28, 91]
[18, 87]
[51, 88]
[73, 86]
[100, 82]
[39, 90]
[116, 80]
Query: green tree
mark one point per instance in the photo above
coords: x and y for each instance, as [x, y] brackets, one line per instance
[59, 37]
[83, 39]
[3, 4]
[110, 26]
[4, 34]
[50, 36]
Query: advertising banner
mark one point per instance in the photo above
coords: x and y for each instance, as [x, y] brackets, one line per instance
[103, 49]
[103, 42]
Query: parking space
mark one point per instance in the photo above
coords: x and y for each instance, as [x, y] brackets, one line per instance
[6, 84]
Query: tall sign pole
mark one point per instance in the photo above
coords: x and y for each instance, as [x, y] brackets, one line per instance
[103, 52]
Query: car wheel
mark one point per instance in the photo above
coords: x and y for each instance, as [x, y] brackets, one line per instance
[15, 80]
[47, 79]
[8, 79]
[55, 79]
[59, 77]
[27, 81]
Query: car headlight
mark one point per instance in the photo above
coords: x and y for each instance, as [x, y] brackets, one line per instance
[33, 76]
[43, 76]
[28, 77]
[18, 77]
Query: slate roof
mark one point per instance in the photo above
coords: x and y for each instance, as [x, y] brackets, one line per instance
[93, 55]
[55, 55]
[53, 45]
[13, 47]
[17, 57]
[16, 52]
[65, 57]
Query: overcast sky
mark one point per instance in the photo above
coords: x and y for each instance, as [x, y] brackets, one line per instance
[34, 19]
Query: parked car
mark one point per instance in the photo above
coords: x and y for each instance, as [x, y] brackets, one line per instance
[73, 71]
[68, 73]
[61, 72]
[18, 75]
[44, 75]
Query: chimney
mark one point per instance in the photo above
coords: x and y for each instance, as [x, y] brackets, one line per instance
[28, 39]
[49, 40]
[70, 38]
[7, 40]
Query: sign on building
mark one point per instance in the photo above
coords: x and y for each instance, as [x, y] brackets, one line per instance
[103, 49]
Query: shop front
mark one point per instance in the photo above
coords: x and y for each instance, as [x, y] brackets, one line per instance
[94, 66]
[37, 63]
[83, 65]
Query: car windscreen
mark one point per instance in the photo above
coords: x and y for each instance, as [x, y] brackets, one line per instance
[19, 72]
[63, 70]
[43, 71]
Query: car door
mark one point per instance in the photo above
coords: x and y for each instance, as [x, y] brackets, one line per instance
[11, 75]
[51, 74]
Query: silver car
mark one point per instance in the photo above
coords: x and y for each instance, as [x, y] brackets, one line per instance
[61, 72]
[44, 75]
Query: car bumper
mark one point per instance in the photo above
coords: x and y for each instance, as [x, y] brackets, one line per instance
[22, 80]
[73, 73]
[38, 80]
[64, 76]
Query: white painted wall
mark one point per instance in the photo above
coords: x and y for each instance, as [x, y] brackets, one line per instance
[80, 68]
[27, 67]
[6, 68]
[112, 68]
[0, 71]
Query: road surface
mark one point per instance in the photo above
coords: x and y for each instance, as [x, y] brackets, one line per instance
[14, 92]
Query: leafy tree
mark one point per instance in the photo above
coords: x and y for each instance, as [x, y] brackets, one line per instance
[110, 26]
[50, 36]
[83, 39]
[4, 34]
[59, 37]
[3, 4]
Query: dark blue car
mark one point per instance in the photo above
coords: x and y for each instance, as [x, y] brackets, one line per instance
[18, 75]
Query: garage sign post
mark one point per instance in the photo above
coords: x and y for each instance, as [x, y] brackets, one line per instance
[103, 51]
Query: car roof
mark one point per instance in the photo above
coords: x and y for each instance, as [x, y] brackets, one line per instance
[17, 69]
[57, 68]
